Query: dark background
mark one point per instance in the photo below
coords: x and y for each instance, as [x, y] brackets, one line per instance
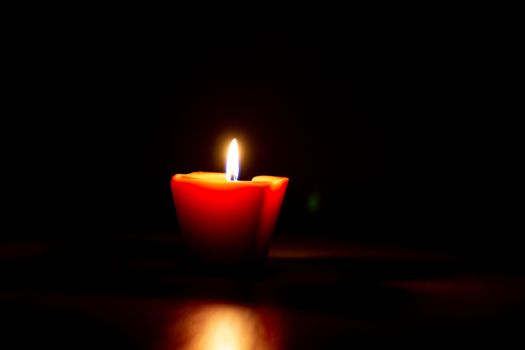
[377, 117]
[401, 218]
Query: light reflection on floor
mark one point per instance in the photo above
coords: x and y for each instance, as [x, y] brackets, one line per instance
[222, 326]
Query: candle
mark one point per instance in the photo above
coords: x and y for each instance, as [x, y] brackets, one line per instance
[225, 220]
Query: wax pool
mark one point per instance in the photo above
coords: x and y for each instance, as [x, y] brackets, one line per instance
[227, 221]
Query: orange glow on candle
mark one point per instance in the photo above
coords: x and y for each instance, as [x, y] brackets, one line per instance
[224, 219]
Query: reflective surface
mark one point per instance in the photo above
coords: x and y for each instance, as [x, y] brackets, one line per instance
[143, 293]
[222, 326]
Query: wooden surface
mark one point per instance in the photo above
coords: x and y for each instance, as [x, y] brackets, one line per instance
[141, 292]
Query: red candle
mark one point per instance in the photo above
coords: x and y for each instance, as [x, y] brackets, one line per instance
[225, 220]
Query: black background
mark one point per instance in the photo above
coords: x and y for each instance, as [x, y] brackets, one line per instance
[377, 116]
[392, 124]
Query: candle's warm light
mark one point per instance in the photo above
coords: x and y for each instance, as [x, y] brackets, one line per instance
[232, 163]
[217, 326]
[226, 222]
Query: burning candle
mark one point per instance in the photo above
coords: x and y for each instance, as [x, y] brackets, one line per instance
[225, 220]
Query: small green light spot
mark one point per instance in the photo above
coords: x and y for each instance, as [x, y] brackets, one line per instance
[313, 202]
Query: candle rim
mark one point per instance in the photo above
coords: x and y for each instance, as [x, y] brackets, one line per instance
[217, 177]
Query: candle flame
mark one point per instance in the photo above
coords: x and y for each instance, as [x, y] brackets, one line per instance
[232, 163]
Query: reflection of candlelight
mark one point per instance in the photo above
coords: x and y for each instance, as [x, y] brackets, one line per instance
[222, 327]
